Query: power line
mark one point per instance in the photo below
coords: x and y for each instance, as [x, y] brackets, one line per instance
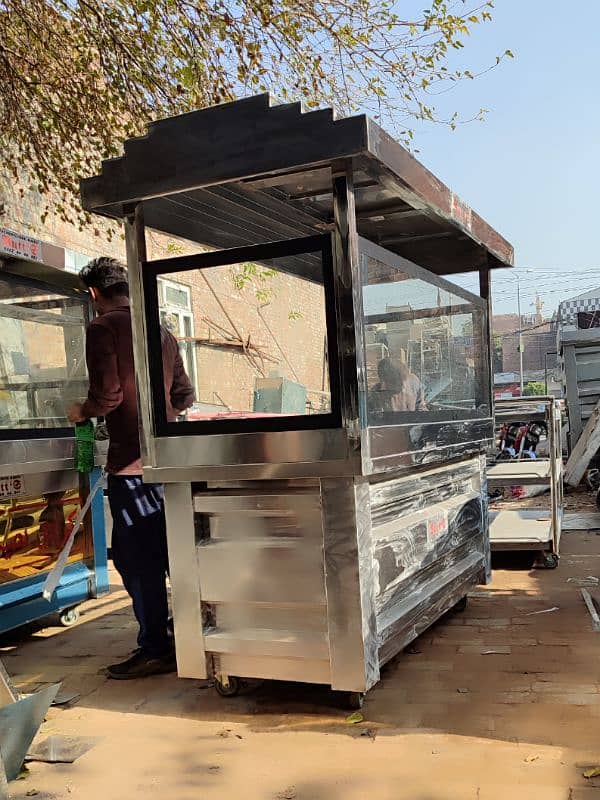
[565, 285]
[578, 276]
[505, 273]
[573, 281]
[542, 292]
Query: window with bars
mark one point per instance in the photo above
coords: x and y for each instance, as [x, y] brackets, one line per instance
[176, 315]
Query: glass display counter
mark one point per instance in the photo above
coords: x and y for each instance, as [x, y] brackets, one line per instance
[43, 314]
[422, 393]
[325, 496]
[42, 358]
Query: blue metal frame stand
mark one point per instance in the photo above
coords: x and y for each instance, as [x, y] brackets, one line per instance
[21, 601]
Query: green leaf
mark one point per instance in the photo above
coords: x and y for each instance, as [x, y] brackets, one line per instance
[131, 62]
[355, 718]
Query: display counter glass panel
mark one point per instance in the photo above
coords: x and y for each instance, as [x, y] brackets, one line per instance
[424, 345]
[42, 356]
[255, 331]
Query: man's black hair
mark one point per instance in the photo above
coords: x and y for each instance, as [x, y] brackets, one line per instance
[107, 275]
[392, 373]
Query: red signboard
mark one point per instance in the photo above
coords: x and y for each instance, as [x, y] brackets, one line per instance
[507, 391]
[17, 244]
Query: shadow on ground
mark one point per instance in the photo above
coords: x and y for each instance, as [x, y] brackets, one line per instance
[500, 670]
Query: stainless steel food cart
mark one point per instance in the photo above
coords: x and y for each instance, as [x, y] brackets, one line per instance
[43, 313]
[312, 544]
[520, 522]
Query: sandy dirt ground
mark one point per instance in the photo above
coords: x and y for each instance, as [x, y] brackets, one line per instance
[497, 703]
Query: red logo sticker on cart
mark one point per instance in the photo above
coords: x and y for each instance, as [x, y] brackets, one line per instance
[12, 486]
[437, 526]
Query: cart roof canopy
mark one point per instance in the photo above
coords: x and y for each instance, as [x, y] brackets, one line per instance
[253, 170]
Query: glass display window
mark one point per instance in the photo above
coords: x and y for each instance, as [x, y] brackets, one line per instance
[42, 356]
[425, 349]
[256, 330]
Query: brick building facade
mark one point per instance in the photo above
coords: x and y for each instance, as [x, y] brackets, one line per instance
[505, 323]
[536, 343]
[539, 338]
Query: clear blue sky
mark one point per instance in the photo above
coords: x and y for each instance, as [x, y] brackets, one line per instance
[532, 169]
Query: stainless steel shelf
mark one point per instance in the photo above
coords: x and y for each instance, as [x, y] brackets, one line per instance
[520, 529]
[532, 472]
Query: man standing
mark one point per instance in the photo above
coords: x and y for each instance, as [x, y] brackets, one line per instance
[139, 543]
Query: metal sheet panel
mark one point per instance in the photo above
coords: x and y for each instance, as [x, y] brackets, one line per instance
[580, 356]
[349, 581]
[265, 642]
[284, 669]
[185, 586]
[261, 573]
[258, 449]
[428, 530]
[587, 372]
[485, 517]
[165, 164]
[262, 549]
[27, 456]
[252, 472]
[19, 723]
[524, 526]
[36, 484]
[393, 447]
[438, 592]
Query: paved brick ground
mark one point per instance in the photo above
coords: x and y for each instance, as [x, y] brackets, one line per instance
[498, 702]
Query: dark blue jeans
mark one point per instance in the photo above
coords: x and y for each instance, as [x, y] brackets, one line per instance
[139, 548]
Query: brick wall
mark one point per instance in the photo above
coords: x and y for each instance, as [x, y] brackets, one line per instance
[505, 323]
[23, 213]
[45, 346]
[536, 343]
[289, 329]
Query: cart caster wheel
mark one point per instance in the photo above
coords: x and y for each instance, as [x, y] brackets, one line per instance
[351, 701]
[550, 561]
[69, 617]
[231, 689]
[461, 605]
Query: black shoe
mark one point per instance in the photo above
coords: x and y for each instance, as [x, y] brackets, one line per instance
[142, 665]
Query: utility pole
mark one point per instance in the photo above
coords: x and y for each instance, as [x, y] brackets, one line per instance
[516, 276]
[520, 334]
